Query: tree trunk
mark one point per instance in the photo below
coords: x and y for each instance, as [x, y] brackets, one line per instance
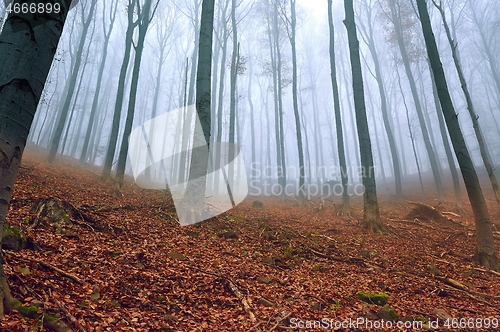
[235, 59]
[113, 138]
[192, 208]
[485, 245]
[383, 106]
[338, 116]
[281, 141]
[144, 18]
[72, 83]
[27, 50]
[93, 111]
[472, 112]
[446, 143]
[371, 217]
[296, 104]
[418, 107]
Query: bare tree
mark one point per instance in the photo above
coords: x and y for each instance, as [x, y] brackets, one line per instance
[338, 117]
[27, 58]
[86, 20]
[485, 245]
[470, 107]
[371, 217]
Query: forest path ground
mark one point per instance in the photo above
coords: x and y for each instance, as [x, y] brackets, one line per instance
[287, 265]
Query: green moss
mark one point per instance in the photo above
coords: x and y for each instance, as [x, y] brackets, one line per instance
[16, 231]
[28, 311]
[393, 313]
[378, 298]
[49, 318]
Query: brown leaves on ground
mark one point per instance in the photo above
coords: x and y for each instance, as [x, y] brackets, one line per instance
[141, 271]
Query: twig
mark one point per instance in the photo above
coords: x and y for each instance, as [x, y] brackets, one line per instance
[71, 318]
[232, 286]
[50, 266]
[285, 315]
[489, 271]
[457, 285]
[243, 300]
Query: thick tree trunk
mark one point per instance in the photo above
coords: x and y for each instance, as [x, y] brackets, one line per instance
[27, 50]
[193, 208]
[371, 217]
[485, 245]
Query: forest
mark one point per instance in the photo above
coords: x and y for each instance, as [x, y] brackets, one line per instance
[249, 165]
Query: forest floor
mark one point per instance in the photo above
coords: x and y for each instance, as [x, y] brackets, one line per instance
[118, 260]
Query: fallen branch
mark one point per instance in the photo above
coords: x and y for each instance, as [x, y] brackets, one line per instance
[284, 316]
[488, 271]
[242, 298]
[50, 266]
[71, 318]
[234, 288]
[458, 285]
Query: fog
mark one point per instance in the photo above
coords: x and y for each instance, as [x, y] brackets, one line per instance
[167, 82]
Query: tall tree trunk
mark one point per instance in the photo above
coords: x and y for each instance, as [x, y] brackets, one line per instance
[193, 209]
[371, 217]
[485, 245]
[72, 83]
[338, 115]
[252, 123]
[383, 105]
[235, 60]
[296, 104]
[418, 107]
[470, 107]
[446, 143]
[27, 50]
[113, 138]
[282, 171]
[190, 95]
[220, 109]
[145, 17]
[93, 110]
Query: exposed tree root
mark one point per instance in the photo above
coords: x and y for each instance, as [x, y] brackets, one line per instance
[58, 270]
[490, 262]
[376, 227]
